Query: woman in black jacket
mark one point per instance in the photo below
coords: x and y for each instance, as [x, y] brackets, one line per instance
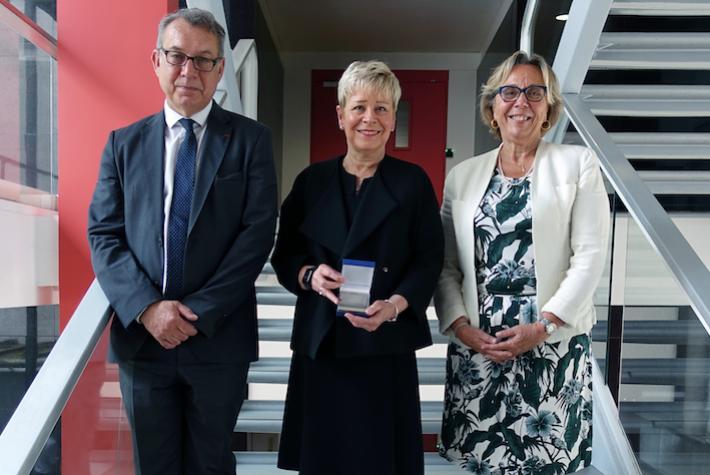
[352, 405]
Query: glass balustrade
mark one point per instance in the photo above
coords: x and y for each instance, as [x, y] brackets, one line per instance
[665, 369]
[27, 335]
[98, 440]
[28, 125]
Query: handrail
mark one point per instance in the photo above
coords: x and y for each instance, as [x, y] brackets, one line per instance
[23, 438]
[688, 269]
[581, 34]
[26, 28]
[580, 37]
[238, 87]
[527, 29]
[247, 68]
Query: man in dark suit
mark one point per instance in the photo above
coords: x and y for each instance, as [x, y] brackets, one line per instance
[181, 222]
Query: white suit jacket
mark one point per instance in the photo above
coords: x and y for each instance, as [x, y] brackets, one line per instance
[570, 231]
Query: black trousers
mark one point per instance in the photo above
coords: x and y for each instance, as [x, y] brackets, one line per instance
[182, 413]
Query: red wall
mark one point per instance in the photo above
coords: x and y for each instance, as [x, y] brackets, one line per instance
[105, 81]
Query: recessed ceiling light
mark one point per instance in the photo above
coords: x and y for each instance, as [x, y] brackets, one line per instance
[562, 17]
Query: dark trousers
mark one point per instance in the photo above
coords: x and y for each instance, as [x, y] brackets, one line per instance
[182, 414]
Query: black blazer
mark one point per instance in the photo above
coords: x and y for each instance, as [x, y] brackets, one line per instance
[230, 233]
[397, 225]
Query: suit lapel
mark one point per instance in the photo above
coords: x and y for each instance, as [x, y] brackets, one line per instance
[152, 169]
[212, 150]
[147, 179]
[475, 183]
[325, 221]
[377, 203]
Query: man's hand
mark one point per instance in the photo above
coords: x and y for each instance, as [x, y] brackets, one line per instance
[169, 322]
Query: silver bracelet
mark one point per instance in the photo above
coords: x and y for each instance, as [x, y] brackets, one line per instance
[396, 310]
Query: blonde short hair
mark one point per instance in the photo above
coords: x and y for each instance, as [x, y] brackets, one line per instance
[372, 75]
[501, 73]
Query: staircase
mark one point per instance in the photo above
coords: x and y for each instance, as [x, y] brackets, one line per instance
[648, 84]
[264, 415]
[650, 88]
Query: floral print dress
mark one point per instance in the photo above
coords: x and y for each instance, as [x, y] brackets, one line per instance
[531, 415]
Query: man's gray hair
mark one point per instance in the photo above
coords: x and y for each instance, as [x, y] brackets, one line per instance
[194, 17]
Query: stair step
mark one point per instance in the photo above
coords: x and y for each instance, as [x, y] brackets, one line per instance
[668, 332]
[658, 332]
[683, 372]
[274, 370]
[264, 463]
[683, 417]
[661, 7]
[279, 329]
[664, 182]
[630, 100]
[657, 145]
[275, 298]
[266, 416]
[687, 51]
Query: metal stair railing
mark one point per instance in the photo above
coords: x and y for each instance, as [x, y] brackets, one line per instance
[580, 39]
[578, 51]
[29, 427]
[688, 269]
[237, 91]
[649, 423]
[583, 32]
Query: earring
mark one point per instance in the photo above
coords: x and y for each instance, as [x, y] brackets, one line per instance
[494, 124]
[546, 125]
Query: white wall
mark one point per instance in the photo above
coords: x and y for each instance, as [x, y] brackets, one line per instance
[297, 100]
[28, 253]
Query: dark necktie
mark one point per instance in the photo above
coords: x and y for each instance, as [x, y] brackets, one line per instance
[180, 210]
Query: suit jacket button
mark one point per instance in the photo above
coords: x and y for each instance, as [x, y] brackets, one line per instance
[385, 269]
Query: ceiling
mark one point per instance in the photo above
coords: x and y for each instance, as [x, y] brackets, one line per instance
[422, 26]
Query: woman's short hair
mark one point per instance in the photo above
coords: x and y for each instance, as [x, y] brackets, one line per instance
[372, 75]
[194, 17]
[501, 73]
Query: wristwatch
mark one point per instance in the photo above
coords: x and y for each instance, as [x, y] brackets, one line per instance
[549, 326]
[307, 277]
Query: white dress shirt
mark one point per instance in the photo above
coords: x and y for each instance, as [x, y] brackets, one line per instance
[174, 135]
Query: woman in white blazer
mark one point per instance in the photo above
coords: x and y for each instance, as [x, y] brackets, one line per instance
[526, 228]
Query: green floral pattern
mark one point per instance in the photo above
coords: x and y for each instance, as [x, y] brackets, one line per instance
[531, 415]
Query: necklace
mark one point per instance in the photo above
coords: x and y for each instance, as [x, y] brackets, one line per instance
[524, 171]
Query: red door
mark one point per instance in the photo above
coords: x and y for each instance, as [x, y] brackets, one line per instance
[420, 136]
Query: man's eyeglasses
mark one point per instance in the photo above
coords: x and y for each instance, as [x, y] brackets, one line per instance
[534, 93]
[201, 63]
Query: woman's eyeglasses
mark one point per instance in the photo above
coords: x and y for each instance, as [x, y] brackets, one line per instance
[534, 93]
